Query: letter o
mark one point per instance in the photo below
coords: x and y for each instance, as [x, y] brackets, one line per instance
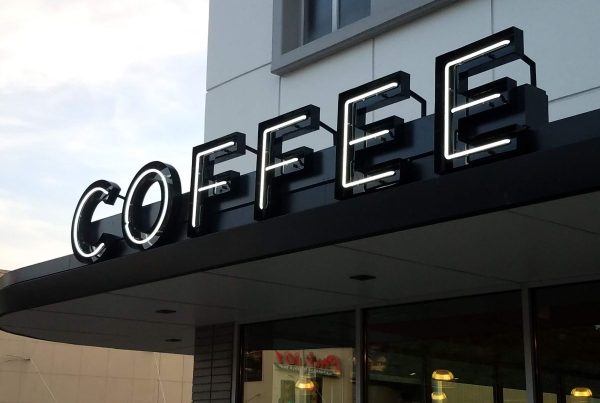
[134, 230]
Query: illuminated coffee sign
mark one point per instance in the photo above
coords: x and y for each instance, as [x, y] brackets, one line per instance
[471, 126]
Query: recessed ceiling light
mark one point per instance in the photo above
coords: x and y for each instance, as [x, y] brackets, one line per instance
[166, 311]
[362, 277]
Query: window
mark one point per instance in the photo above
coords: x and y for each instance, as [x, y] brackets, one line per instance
[304, 360]
[307, 30]
[463, 350]
[324, 16]
[567, 320]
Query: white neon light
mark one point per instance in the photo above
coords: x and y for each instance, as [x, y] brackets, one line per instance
[372, 178]
[216, 148]
[195, 197]
[100, 247]
[347, 104]
[478, 102]
[447, 110]
[214, 185]
[163, 211]
[368, 137]
[263, 156]
[281, 164]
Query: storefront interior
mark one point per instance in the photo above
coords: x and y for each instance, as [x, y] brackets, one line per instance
[484, 309]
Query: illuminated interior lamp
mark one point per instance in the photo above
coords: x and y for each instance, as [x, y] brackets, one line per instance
[581, 392]
[442, 375]
[305, 383]
[437, 396]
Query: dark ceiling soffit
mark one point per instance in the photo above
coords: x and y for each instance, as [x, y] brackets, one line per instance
[559, 169]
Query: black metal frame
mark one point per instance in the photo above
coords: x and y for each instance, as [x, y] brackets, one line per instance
[272, 151]
[505, 123]
[561, 166]
[365, 158]
[202, 174]
[82, 238]
[137, 220]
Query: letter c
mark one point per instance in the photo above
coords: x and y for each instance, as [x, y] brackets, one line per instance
[84, 249]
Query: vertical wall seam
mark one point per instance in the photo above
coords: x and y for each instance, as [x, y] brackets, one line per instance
[373, 59]
[491, 17]
[279, 97]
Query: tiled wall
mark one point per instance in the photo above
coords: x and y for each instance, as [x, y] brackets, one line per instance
[35, 371]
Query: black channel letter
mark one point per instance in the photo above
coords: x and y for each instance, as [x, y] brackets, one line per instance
[272, 162]
[356, 137]
[84, 248]
[204, 183]
[487, 122]
[134, 224]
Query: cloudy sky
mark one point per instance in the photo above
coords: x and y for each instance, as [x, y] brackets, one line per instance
[91, 90]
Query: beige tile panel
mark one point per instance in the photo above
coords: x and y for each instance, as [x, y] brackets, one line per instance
[171, 367]
[145, 366]
[94, 361]
[145, 391]
[186, 392]
[64, 387]
[10, 383]
[172, 391]
[42, 356]
[32, 389]
[13, 361]
[89, 374]
[9, 336]
[121, 363]
[119, 390]
[66, 359]
[188, 367]
[92, 389]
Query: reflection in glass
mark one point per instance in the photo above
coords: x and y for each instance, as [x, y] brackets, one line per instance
[352, 10]
[567, 320]
[463, 350]
[305, 360]
[317, 20]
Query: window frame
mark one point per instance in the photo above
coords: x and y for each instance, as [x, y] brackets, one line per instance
[289, 52]
[335, 23]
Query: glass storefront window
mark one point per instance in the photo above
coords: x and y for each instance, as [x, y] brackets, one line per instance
[352, 10]
[304, 360]
[567, 320]
[463, 350]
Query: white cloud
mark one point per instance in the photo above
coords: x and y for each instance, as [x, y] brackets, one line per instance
[28, 236]
[46, 43]
[91, 90]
